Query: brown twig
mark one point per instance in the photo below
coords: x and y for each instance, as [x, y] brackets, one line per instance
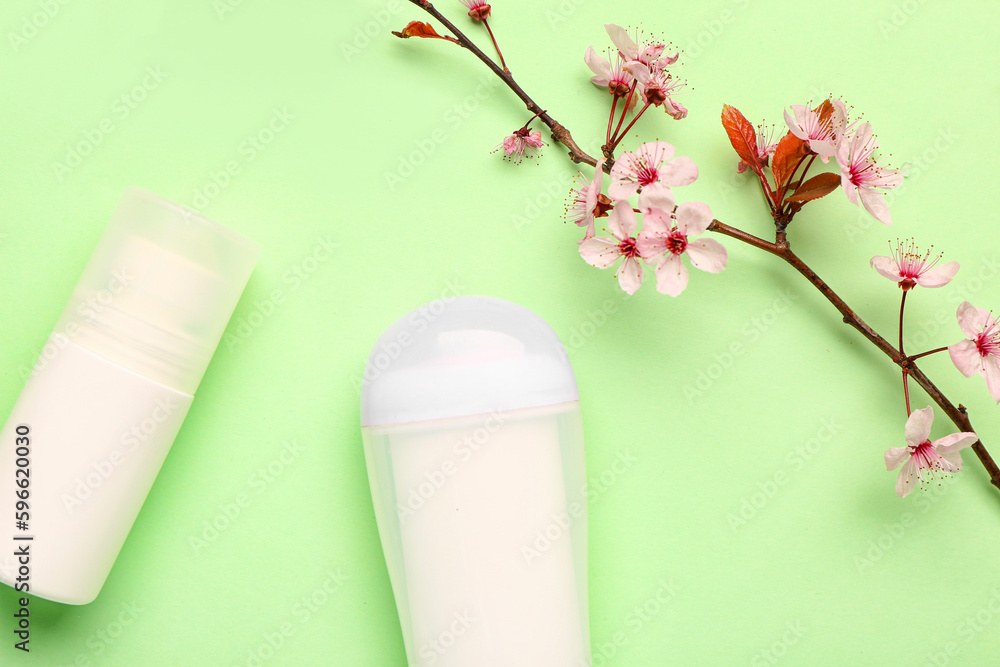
[559, 133]
[957, 415]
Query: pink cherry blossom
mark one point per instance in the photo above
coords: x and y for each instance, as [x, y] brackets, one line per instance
[478, 9]
[523, 142]
[861, 175]
[925, 459]
[587, 204]
[980, 353]
[650, 166]
[603, 252]
[909, 268]
[822, 134]
[616, 79]
[657, 86]
[650, 54]
[666, 236]
[766, 145]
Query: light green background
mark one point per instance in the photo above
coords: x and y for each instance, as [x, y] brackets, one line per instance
[830, 568]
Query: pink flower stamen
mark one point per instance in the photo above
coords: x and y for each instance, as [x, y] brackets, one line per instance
[929, 464]
[863, 169]
[646, 174]
[862, 176]
[676, 242]
[766, 146]
[644, 165]
[911, 264]
[988, 341]
[627, 248]
[621, 79]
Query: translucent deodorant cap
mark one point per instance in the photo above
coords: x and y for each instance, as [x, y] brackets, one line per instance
[159, 289]
[464, 356]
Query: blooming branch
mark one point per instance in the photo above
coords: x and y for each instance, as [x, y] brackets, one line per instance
[638, 72]
[559, 133]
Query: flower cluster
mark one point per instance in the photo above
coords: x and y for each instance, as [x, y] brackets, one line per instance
[637, 71]
[977, 354]
[647, 228]
[824, 132]
[668, 228]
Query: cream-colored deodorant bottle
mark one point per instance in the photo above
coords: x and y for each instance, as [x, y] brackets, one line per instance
[473, 442]
[89, 432]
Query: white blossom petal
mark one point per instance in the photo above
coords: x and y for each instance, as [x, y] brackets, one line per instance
[621, 40]
[894, 456]
[874, 203]
[599, 66]
[599, 252]
[656, 196]
[965, 355]
[938, 276]
[693, 218]
[671, 276]
[887, 267]
[630, 275]
[707, 254]
[992, 374]
[679, 171]
[954, 442]
[918, 426]
[622, 222]
[793, 122]
[972, 320]
[907, 478]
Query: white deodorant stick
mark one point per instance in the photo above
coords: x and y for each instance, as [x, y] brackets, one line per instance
[89, 432]
[474, 447]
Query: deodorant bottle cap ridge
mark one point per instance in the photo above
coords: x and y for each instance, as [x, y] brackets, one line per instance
[473, 443]
[112, 386]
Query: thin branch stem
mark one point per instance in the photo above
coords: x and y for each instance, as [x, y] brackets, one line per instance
[957, 414]
[902, 306]
[559, 133]
[802, 178]
[615, 137]
[740, 235]
[769, 194]
[906, 372]
[906, 391]
[525, 127]
[611, 119]
[924, 354]
[621, 136]
[495, 45]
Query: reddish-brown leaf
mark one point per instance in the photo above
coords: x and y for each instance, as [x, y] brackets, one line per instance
[787, 157]
[825, 109]
[741, 135]
[418, 29]
[816, 187]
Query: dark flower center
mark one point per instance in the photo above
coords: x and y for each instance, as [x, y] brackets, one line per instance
[677, 242]
[628, 248]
